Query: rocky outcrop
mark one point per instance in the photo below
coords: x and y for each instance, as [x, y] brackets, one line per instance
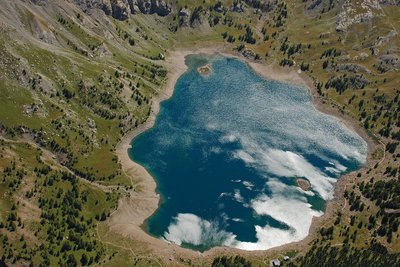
[159, 7]
[343, 82]
[40, 2]
[218, 7]
[238, 7]
[43, 32]
[193, 18]
[389, 62]
[314, 4]
[346, 58]
[261, 6]
[198, 17]
[248, 53]
[351, 67]
[184, 17]
[390, 2]
[122, 9]
[87, 5]
[382, 40]
[144, 6]
[356, 12]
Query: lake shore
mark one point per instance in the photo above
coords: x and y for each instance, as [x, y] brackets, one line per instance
[133, 211]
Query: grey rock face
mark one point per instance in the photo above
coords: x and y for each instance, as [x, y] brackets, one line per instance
[248, 53]
[86, 5]
[238, 7]
[40, 2]
[144, 6]
[382, 40]
[390, 2]
[354, 13]
[184, 17]
[160, 7]
[354, 68]
[121, 9]
[389, 62]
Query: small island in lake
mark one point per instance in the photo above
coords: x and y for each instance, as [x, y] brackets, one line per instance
[303, 184]
[205, 70]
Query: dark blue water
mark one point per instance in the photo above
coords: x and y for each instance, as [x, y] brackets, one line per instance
[226, 151]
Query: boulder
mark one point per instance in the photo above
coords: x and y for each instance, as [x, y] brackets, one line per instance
[144, 6]
[120, 9]
[106, 7]
[218, 7]
[133, 5]
[248, 53]
[160, 7]
[238, 7]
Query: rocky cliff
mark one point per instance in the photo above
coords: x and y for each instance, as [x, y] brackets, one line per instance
[121, 9]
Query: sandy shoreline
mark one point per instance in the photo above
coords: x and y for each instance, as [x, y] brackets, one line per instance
[133, 211]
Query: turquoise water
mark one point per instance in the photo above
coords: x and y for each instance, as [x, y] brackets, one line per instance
[226, 150]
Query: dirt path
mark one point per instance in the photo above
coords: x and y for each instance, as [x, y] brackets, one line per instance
[51, 157]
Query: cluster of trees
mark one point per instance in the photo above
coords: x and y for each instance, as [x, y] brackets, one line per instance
[12, 177]
[65, 229]
[375, 255]
[230, 38]
[248, 37]
[305, 66]
[289, 49]
[343, 82]
[264, 6]
[88, 41]
[65, 22]
[386, 195]
[125, 36]
[331, 52]
[280, 19]
[354, 201]
[236, 261]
